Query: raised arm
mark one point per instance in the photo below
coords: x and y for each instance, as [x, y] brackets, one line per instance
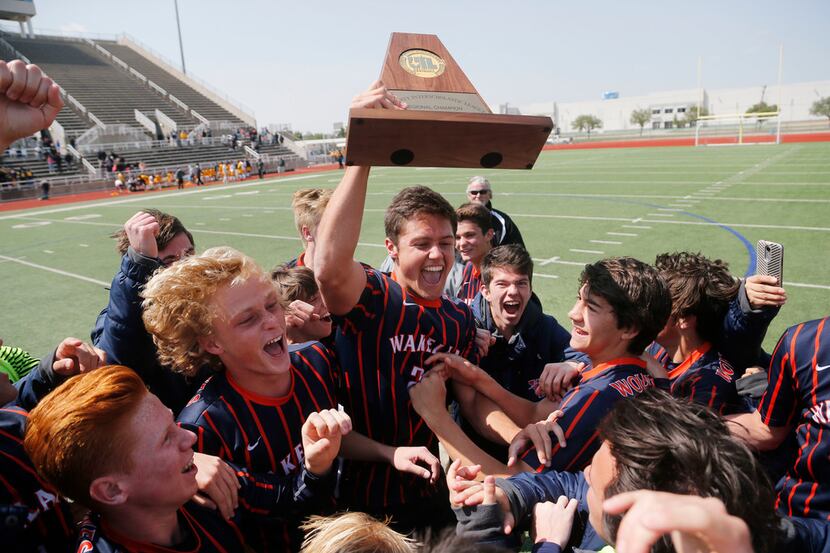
[340, 277]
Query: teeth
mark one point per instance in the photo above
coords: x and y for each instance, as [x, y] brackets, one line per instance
[434, 269]
[274, 341]
[188, 466]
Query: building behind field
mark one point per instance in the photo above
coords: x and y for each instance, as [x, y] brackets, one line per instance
[668, 109]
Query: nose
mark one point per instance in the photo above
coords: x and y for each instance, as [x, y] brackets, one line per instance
[435, 252]
[188, 439]
[574, 313]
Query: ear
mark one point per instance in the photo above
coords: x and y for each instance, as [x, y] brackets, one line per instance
[210, 345]
[489, 235]
[629, 333]
[485, 291]
[108, 490]
[392, 249]
[688, 322]
[305, 232]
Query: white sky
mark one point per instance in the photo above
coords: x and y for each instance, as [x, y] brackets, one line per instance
[301, 62]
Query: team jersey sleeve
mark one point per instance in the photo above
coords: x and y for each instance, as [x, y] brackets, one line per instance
[583, 408]
[527, 489]
[318, 372]
[297, 494]
[202, 419]
[371, 303]
[778, 404]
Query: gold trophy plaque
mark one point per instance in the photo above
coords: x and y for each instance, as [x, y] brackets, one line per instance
[446, 123]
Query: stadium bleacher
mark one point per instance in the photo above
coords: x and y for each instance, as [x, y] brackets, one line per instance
[110, 92]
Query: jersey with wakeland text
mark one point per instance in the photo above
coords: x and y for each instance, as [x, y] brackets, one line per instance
[584, 406]
[34, 517]
[798, 394]
[263, 434]
[704, 377]
[382, 345]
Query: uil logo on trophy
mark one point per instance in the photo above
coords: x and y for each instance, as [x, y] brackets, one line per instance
[446, 123]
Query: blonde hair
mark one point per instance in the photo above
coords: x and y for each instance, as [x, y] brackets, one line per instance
[178, 305]
[308, 205]
[353, 533]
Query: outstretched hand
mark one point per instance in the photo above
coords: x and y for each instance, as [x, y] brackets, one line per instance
[29, 101]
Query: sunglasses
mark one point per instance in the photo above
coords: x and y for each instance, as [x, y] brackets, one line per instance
[477, 192]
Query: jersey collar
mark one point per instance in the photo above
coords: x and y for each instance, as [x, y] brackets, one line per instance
[693, 358]
[258, 398]
[413, 297]
[602, 367]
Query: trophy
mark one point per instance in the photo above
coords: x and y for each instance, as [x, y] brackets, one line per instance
[446, 123]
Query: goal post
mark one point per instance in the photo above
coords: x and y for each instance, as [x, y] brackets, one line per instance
[738, 129]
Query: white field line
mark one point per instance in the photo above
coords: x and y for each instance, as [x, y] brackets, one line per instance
[611, 242]
[596, 252]
[643, 227]
[543, 275]
[168, 194]
[53, 270]
[802, 285]
[659, 214]
[621, 234]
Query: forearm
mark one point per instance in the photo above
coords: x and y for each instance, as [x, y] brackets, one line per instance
[460, 446]
[751, 428]
[340, 278]
[490, 421]
[519, 410]
[339, 229]
[358, 447]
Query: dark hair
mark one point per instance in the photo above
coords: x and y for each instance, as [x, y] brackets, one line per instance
[295, 283]
[477, 214]
[699, 287]
[169, 227]
[411, 202]
[637, 294]
[512, 256]
[673, 445]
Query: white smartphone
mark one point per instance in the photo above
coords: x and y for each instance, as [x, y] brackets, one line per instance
[769, 260]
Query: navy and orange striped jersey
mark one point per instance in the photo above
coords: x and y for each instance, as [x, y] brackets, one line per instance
[298, 261]
[382, 345]
[204, 530]
[470, 283]
[798, 395]
[585, 405]
[263, 434]
[34, 517]
[704, 377]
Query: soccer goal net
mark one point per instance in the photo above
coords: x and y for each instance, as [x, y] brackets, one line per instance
[737, 129]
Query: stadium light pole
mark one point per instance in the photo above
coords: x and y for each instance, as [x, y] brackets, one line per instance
[780, 106]
[179, 27]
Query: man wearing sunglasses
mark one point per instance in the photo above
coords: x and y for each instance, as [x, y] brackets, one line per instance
[506, 231]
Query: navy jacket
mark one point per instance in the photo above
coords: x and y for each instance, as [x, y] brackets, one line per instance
[120, 332]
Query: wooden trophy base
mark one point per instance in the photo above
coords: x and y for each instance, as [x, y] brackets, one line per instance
[447, 124]
[435, 139]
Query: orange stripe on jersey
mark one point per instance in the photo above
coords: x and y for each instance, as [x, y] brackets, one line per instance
[11, 437]
[712, 397]
[812, 451]
[24, 466]
[581, 412]
[776, 390]
[308, 388]
[204, 530]
[793, 364]
[265, 440]
[241, 429]
[363, 384]
[813, 489]
[790, 498]
[225, 448]
[612, 363]
[11, 489]
[588, 443]
[819, 330]
[690, 360]
[287, 430]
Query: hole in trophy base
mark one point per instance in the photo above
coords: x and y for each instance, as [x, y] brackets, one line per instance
[491, 159]
[402, 156]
